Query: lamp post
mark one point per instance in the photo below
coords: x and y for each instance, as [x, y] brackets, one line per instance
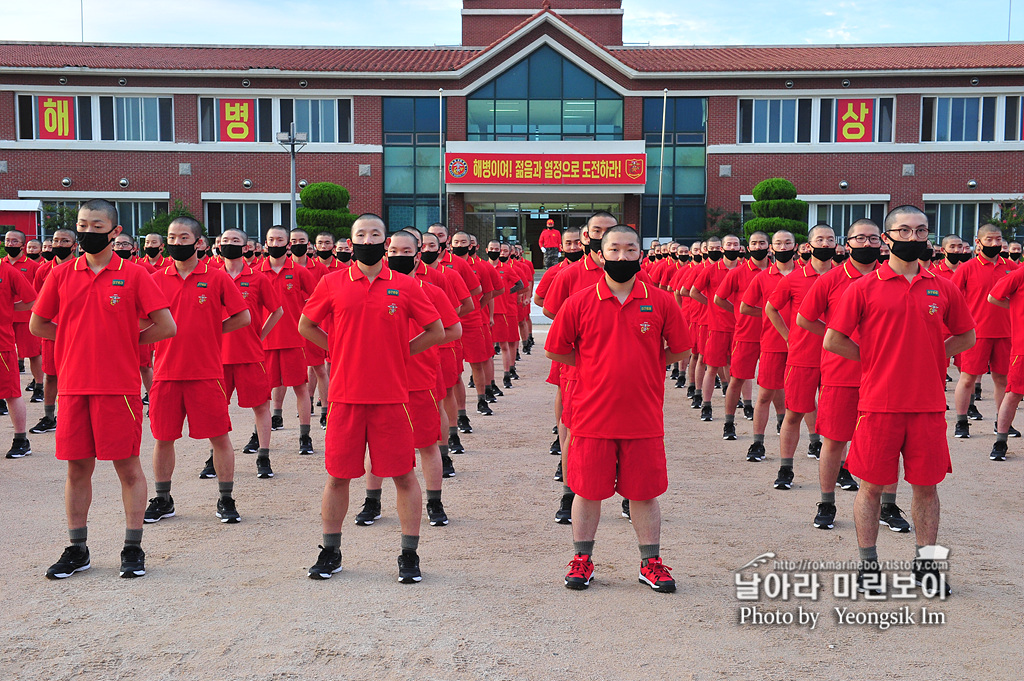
[292, 141]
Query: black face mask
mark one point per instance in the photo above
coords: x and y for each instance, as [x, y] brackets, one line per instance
[232, 251]
[839, 258]
[758, 254]
[324, 255]
[621, 270]
[883, 258]
[153, 251]
[277, 251]
[368, 254]
[403, 264]
[472, 250]
[246, 254]
[33, 256]
[964, 257]
[698, 258]
[926, 257]
[574, 256]
[13, 251]
[47, 255]
[201, 254]
[125, 253]
[60, 252]
[343, 256]
[714, 256]
[991, 251]
[595, 247]
[94, 242]
[430, 256]
[181, 252]
[442, 245]
[784, 256]
[460, 250]
[805, 256]
[825, 253]
[502, 258]
[866, 255]
[1005, 254]
[731, 255]
[299, 250]
[686, 257]
[675, 256]
[909, 251]
[492, 255]
[1015, 256]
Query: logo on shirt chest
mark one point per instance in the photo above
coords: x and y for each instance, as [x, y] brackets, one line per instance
[202, 298]
[645, 327]
[392, 308]
[245, 294]
[392, 291]
[933, 308]
[115, 299]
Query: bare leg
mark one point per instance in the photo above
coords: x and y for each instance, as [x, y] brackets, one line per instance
[410, 503]
[789, 438]
[262, 414]
[334, 504]
[586, 514]
[35, 364]
[964, 390]
[19, 413]
[302, 401]
[223, 457]
[1007, 410]
[762, 409]
[925, 510]
[646, 517]
[866, 509]
[163, 460]
[78, 492]
[459, 392]
[832, 455]
[133, 490]
[732, 395]
[430, 462]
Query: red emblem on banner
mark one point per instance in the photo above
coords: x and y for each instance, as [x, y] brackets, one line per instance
[635, 167]
[539, 169]
[56, 118]
[237, 120]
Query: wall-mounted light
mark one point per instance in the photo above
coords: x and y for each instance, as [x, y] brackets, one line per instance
[844, 185]
[975, 80]
[303, 83]
[973, 184]
[247, 184]
[846, 82]
[123, 182]
[62, 80]
[789, 83]
[66, 182]
[122, 81]
[245, 82]
[302, 184]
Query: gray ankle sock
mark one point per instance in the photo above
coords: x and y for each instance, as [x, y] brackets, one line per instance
[868, 554]
[814, 437]
[452, 430]
[584, 548]
[133, 537]
[787, 463]
[759, 438]
[263, 453]
[225, 488]
[279, 413]
[462, 412]
[410, 542]
[888, 498]
[730, 418]
[332, 541]
[78, 536]
[303, 430]
[779, 418]
[21, 436]
[1001, 437]
[828, 497]
[323, 411]
[649, 551]
[698, 394]
[705, 403]
[748, 403]
[373, 494]
[444, 449]
[48, 410]
[566, 490]
[433, 494]
[961, 418]
[163, 489]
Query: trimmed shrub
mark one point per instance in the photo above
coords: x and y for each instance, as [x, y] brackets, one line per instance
[774, 188]
[791, 209]
[777, 208]
[161, 221]
[325, 209]
[325, 196]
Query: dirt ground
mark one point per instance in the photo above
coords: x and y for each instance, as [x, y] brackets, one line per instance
[233, 601]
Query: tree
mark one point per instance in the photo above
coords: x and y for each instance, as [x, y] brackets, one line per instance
[161, 221]
[325, 209]
[721, 223]
[59, 217]
[777, 208]
[1011, 218]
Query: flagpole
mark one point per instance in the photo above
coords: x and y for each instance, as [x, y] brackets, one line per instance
[661, 168]
[440, 150]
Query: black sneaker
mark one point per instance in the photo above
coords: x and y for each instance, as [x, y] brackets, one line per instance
[208, 470]
[705, 412]
[506, 381]
[845, 481]
[447, 467]
[31, 386]
[963, 430]
[690, 390]
[814, 450]
[305, 445]
[327, 563]
[74, 559]
[892, 516]
[748, 412]
[409, 568]
[435, 513]
[276, 422]
[489, 395]
[558, 472]
[483, 408]
[47, 424]
[253, 445]
[1012, 432]
[263, 469]
[927, 576]
[729, 431]
[463, 424]
[718, 382]
[785, 479]
[159, 508]
[697, 402]
[625, 510]
[869, 579]
[755, 452]
[145, 399]
[471, 383]
[554, 430]
[495, 390]
[778, 426]
[19, 449]
[37, 395]
[556, 447]
[226, 510]
[455, 444]
[998, 452]
[370, 512]
[977, 393]
[3, 408]
[826, 517]
[680, 382]
[563, 516]
[323, 421]
[674, 376]
[973, 414]
[513, 373]
[133, 562]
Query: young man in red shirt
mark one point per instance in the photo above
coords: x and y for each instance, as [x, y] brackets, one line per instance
[372, 309]
[476, 343]
[16, 295]
[527, 274]
[316, 359]
[975, 279]
[721, 321]
[154, 249]
[1008, 293]
[285, 348]
[701, 314]
[910, 323]
[189, 384]
[91, 309]
[29, 346]
[803, 359]
[506, 319]
[614, 449]
[680, 286]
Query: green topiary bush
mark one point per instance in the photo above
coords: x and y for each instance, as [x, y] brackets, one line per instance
[325, 209]
[791, 209]
[774, 188]
[325, 196]
[777, 208]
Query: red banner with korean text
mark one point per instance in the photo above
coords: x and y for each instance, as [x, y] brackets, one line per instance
[856, 120]
[56, 118]
[483, 168]
[237, 120]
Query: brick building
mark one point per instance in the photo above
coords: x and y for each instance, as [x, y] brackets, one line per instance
[542, 112]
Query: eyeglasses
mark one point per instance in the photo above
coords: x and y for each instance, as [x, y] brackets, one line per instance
[862, 239]
[906, 233]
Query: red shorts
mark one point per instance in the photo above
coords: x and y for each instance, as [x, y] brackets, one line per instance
[385, 428]
[837, 412]
[49, 360]
[28, 345]
[986, 354]
[506, 328]
[554, 374]
[692, 327]
[744, 359]
[286, 367]
[204, 402]
[1015, 376]
[426, 420]
[635, 468]
[718, 348]
[451, 366]
[104, 427]
[315, 355]
[488, 338]
[524, 313]
[10, 377]
[801, 387]
[475, 346]
[702, 338]
[771, 370]
[145, 356]
[568, 390]
[250, 380]
[880, 438]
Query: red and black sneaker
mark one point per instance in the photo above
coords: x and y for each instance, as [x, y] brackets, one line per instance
[581, 569]
[655, 574]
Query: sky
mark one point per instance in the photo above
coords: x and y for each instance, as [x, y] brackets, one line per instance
[437, 22]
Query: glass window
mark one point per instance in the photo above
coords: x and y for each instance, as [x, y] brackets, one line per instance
[961, 219]
[62, 119]
[609, 117]
[546, 119]
[513, 83]
[577, 84]
[545, 74]
[774, 121]
[1012, 121]
[479, 116]
[958, 119]
[398, 114]
[315, 117]
[511, 116]
[136, 119]
[252, 218]
[578, 117]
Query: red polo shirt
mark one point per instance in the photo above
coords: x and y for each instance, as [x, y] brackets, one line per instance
[619, 354]
[199, 304]
[577, 276]
[943, 270]
[469, 276]
[463, 268]
[454, 289]
[243, 346]
[14, 288]
[294, 285]
[97, 318]
[550, 274]
[423, 367]
[1009, 289]
[505, 303]
[370, 339]
[732, 288]
[707, 282]
[804, 346]
[903, 327]
[975, 279]
[44, 270]
[28, 270]
[315, 267]
[491, 282]
[820, 303]
[756, 296]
